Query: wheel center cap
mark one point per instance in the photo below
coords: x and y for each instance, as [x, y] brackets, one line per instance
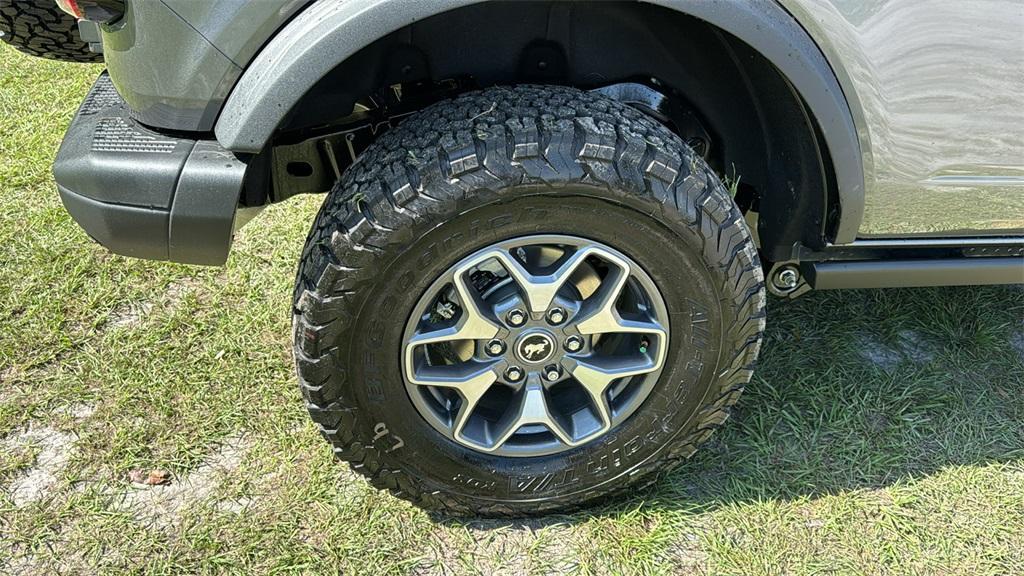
[535, 347]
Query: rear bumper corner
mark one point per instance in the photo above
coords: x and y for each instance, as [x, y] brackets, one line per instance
[143, 193]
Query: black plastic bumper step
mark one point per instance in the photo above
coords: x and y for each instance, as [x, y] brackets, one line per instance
[142, 193]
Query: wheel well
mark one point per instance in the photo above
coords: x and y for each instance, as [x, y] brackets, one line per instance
[762, 139]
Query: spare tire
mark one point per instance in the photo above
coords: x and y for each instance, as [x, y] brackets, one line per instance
[40, 28]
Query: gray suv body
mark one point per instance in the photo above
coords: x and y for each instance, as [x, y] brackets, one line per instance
[918, 103]
[808, 144]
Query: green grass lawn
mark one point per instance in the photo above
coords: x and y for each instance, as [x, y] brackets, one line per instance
[882, 434]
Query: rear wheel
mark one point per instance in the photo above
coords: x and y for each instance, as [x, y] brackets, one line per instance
[40, 28]
[522, 300]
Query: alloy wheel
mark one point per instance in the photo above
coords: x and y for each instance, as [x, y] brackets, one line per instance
[535, 345]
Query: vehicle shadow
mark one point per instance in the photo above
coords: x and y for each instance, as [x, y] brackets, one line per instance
[857, 390]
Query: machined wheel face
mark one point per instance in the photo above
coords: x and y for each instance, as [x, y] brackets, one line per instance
[535, 345]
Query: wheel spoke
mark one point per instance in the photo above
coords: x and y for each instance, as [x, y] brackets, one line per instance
[597, 374]
[532, 408]
[471, 380]
[473, 324]
[539, 290]
[599, 316]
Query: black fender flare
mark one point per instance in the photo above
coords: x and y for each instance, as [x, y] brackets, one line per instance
[328, 32]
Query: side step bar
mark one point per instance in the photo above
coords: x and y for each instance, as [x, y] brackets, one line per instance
[913, 273]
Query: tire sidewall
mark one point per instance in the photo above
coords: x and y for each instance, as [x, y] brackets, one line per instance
[670, 251]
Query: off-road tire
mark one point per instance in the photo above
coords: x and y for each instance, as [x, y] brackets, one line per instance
[40, 28]
[501, 163]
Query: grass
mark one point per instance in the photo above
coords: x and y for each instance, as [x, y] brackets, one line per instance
[883, 432]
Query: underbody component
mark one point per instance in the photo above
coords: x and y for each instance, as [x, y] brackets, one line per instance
[915, 273]
[901, 263]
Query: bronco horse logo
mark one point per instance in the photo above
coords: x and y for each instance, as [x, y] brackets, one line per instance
[534, 351]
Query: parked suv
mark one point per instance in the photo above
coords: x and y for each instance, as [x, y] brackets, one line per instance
[540, 269]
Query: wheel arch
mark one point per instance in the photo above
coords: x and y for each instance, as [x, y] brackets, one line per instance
[311, 46]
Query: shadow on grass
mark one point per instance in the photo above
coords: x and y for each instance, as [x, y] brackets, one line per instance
[858, 390]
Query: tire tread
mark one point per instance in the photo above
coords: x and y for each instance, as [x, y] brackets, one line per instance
[40, 28]
[472, 146]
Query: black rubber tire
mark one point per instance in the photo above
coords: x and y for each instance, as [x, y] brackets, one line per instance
[40, 28]
[488, 166]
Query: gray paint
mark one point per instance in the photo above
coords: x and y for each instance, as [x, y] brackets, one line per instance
[220, 22]
[936, 89]
[311, 45]
[168, 73]
[329, 32]
[933, 87]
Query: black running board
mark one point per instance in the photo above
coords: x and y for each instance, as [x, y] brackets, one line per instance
[914, 273]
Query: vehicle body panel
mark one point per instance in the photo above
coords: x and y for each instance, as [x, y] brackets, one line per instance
[934, 89]
[238, 28]
[937, 90]
[326, 33]
[144, 193]
[169, 75]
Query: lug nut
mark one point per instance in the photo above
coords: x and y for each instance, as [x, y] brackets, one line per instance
[787, 278]
[552, 373]
[495, 347]
[516, 317]
[556, 316]
[574, 343]
[514, 374]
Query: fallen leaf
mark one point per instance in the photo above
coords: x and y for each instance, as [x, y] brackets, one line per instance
[151, 478]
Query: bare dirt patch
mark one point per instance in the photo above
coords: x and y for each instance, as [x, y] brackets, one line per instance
[55, 450]
[686, 555]
[7, 374]
[178, 290]
[909, 346]
[128, 315]
[77, 411]
[164, 504]
[501, 547]
[1017, 341]
[915, 347]
[879, 354]
[132, 314]
[8, 386]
